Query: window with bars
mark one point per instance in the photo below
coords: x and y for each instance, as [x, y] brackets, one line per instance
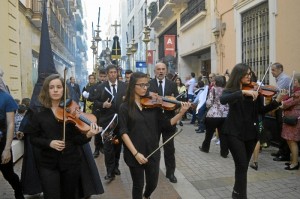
[255, 39]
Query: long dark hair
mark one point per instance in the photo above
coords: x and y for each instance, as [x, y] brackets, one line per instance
[130, 93]
[44, 96]
[237, 73]
[180, 84]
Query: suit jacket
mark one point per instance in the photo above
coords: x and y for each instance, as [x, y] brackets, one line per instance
[106, 114]
[170, 89]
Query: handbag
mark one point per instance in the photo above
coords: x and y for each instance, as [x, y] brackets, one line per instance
[290, 120]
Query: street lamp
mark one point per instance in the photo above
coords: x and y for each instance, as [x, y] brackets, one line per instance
[133, 50]
[128, 53]
[146, 40]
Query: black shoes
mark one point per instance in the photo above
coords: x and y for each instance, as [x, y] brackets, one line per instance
[200, 131]
[201, 149]
[254, 165]
[117, 172]
[172, 178]
[96, 154]
[281, 158]
[109, 177]
[180, 123]
[292, 168]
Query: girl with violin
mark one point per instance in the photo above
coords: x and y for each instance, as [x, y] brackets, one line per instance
[59, 159]
[241, 124]
[140, 130]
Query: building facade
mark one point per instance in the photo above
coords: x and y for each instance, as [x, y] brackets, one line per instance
[212, 36]
[21, 23]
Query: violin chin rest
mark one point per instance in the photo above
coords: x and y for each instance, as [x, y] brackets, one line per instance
[68, 102]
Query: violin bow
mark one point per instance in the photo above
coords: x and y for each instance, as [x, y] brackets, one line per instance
[65, 98]
[262, 80]
[164, 143]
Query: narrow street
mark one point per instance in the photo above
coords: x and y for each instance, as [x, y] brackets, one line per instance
[200, 175]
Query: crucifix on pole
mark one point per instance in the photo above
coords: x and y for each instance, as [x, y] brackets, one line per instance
[116, 25]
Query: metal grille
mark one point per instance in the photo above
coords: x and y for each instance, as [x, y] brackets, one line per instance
[255, 39]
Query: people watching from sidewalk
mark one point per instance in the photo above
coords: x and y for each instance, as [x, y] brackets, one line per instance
[211, 79]
[110, 96]
[75, 87]
[140, 130]
[190, 85]
[291, 132]
[87, 103]
[182, 94]
[128, 73]
[240, 126]
[19, 115]
[165, 87]
[200, 103]
[215, 117]
[282, 82]
[59, 160]
[7, 125]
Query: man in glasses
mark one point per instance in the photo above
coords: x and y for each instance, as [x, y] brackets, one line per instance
[165, 87]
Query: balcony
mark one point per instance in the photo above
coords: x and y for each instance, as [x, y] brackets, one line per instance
[192, 14]
[166, 10]
[34, 13]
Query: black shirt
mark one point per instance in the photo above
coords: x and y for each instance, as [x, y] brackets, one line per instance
[46, 128]
[143, 128]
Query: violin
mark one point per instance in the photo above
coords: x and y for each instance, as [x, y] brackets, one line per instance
[266, 91]
[167, 103]
[74, 115]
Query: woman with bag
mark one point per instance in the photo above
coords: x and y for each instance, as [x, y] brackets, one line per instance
[291, 125]
[215, 116]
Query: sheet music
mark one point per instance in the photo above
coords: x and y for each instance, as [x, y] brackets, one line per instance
[110, 127]
[112, 96]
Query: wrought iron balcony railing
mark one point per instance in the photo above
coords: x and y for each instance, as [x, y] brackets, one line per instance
[191, 11]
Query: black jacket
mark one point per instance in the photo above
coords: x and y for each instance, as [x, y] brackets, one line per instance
[46, 128]
[242, 118]
[106, 114]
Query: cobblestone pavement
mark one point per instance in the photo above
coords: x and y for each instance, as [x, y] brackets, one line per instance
[200, 175]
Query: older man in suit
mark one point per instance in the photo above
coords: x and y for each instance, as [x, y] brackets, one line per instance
[111, 95]
[165, 87]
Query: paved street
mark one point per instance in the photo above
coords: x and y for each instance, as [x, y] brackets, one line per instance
[200, 175]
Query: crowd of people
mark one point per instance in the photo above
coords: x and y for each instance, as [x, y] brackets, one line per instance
[221, 106]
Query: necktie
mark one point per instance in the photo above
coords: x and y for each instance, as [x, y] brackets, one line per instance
[114, 92]
[160, 89]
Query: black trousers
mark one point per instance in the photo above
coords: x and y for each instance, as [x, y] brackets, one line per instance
[213, 123]
[9, 174]
[57, 184]
[138, 174]
[98, 142]
[169, 151]
[241, 152]
[112, 156]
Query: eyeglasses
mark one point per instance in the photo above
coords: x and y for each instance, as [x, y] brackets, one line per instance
[143, 85]
[248, 74]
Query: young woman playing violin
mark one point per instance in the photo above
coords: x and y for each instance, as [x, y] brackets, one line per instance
[58, 160]
[241, 124]
[140, 129]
